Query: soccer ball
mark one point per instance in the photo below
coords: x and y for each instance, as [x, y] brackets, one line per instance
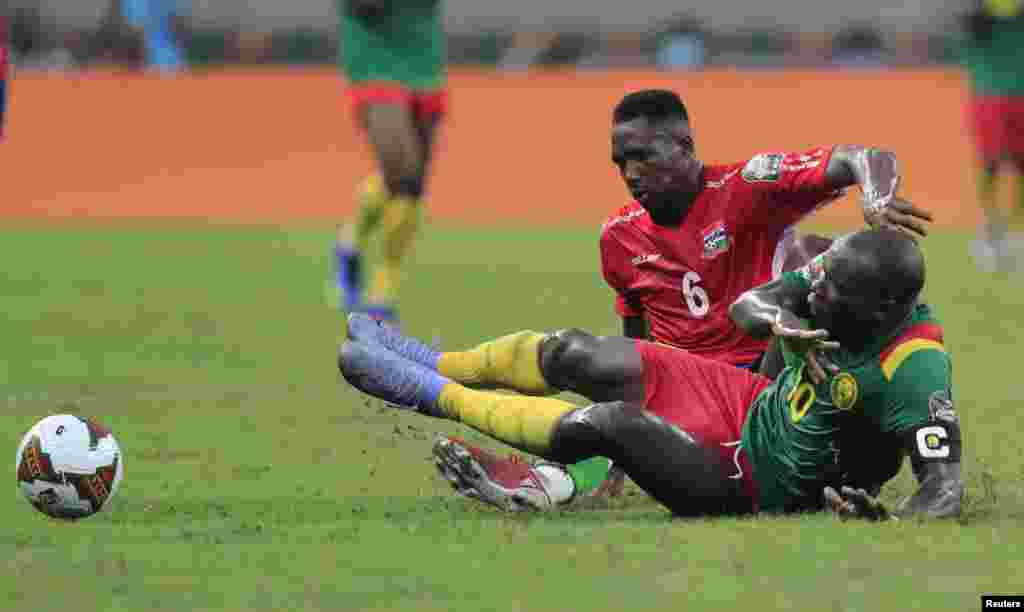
[69, 467]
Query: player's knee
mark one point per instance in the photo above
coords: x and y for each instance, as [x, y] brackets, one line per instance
[403, 180]
[568, 356]
[990, 166]
[410, 184]
[805, 248]
[1018, 165]
[589, 432]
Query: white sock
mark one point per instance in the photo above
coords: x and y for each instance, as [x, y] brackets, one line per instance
[557, 481]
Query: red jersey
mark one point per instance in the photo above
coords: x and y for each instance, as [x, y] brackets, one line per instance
[682, 279]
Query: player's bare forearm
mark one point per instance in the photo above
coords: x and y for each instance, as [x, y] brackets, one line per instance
[634, 327]
[939, 495]
[758, 309]
[856, 165]
[876, 172]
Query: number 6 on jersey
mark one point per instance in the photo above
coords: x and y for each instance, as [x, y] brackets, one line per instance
[696, 298]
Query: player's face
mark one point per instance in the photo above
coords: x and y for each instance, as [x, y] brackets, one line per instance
[657, 162]
[842, 300]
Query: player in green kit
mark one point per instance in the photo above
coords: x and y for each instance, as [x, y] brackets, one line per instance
[858, 402]
[393, 54]
[705, 438]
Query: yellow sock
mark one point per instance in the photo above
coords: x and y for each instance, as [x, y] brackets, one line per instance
[400, 219]
[523, 422]
[372, 196]
[509, 362]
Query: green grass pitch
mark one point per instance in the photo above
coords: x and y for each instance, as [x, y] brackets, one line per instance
[256, 480]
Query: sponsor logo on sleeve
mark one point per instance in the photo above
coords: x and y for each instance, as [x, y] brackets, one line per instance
[765, 167]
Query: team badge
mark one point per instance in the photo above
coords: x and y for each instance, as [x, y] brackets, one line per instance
[765, 167]
[844, 391]
[716, 240]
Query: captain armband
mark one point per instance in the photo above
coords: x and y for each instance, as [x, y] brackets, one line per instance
[938, 440]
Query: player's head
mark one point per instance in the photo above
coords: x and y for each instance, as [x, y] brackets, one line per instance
[652, 145]
[869, 284]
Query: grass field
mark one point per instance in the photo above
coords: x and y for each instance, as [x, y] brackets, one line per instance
[256, 480]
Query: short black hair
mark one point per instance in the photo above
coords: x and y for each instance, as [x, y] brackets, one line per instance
[895, 257]
[652, 104]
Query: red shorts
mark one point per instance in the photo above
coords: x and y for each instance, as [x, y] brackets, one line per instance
[423, 104]
[706, 398]
[997, 123]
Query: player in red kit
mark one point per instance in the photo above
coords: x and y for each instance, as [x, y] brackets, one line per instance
[696, 237]
[681, 277]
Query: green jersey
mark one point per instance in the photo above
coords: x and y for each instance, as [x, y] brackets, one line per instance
[852, 428]
[405, 44]
[993, 56]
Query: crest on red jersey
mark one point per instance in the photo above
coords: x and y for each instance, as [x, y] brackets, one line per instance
[716, 240]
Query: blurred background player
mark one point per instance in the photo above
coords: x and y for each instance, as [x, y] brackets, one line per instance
[159, 28]
[393, 54]
[993, 54]
[3, 72]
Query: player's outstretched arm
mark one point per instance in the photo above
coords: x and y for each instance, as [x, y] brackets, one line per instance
[877, 174]
[758, 310]
[776, 309]
[934, 446]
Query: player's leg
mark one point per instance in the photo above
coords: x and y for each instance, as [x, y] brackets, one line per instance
[1015, 152]
[987, 117]
[706, 398]
[1018, 167]
[685, 474]
[393, 134]
[668, 463]
[387, 201]
[523, 422]
[392, 203]
[429, 108]
[509, 362]
[664, 460]
[598, 367]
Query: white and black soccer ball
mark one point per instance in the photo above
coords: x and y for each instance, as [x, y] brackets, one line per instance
[69, 467]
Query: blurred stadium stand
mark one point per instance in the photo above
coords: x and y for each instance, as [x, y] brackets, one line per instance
[58, 34]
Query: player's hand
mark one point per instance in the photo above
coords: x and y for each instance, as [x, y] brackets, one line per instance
[613, 484]
[855, 503]
[811, 344]
[900, 214]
